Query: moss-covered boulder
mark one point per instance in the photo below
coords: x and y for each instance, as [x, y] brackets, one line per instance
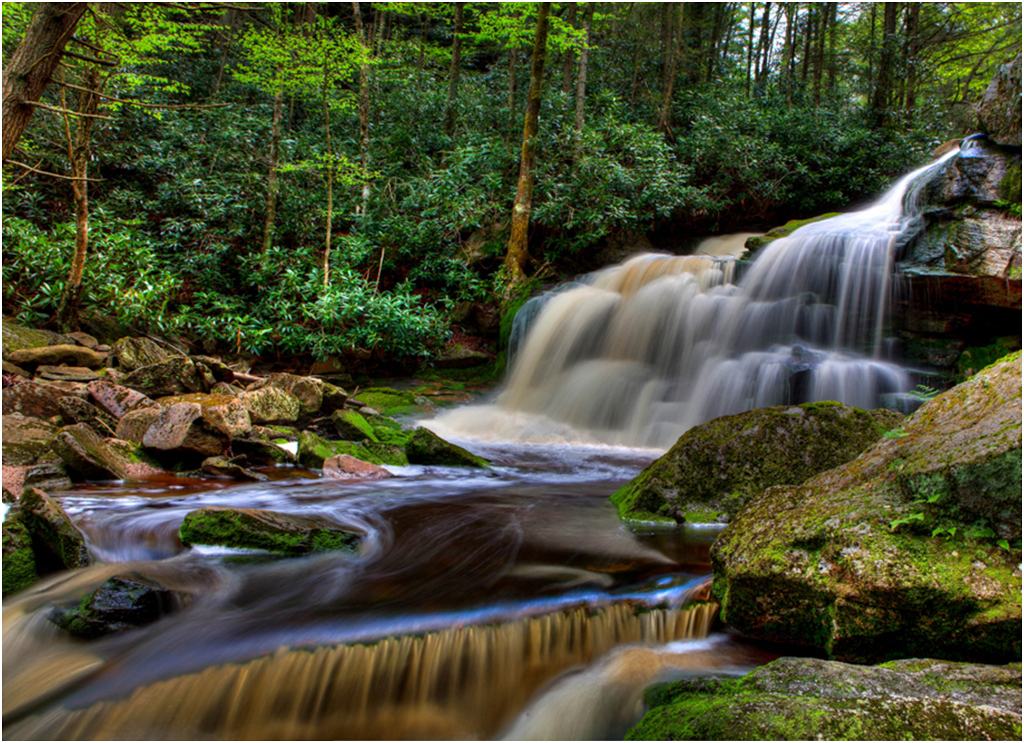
[224, 412]
[76, 410]
[912, 549]
[260, 452]
[314, 451]
[271, 405]
[87, 455]
[135, 353]
[230, 469]
[251, 528]
[39, 538]
[390, 401]
[811, 699]
[17, 337]
[25, 439]
[352, 426]
[715, 468]
[180, 430]
[69, 354]
[426, 447]
[117, 399]
[309, 391]
[33, 400]
[345, 466]
[123, 602]
[174, 376]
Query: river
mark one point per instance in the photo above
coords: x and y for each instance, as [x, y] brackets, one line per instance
[510, 601]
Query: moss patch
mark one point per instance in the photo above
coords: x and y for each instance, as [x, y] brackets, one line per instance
[756, 243]
[314, 451]
[249, 528]
[426, 447]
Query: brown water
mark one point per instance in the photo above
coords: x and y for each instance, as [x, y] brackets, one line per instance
[508, 601]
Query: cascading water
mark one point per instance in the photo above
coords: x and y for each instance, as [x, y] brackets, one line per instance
[638, 353]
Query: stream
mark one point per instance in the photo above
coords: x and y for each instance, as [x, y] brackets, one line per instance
[510, 601]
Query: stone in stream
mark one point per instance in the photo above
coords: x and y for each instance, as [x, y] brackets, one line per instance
[251, 528]
[38, 538]
[352, 426]
[309, 391]
[812, 699]
[174, 376]
[224, 412]
[229, 468]
[345, 466]
[426, 447]
[314, 451]
[912, 549]
[715, 468]
[180, 428]
[123, 602]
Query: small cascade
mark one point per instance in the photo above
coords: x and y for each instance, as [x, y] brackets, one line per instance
[638, 353]
[460, 682]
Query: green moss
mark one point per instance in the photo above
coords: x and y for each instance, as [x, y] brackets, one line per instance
[1010, 186]
[19, 561]
[314, 451]
[426, 447]
[390, 401]
[262, 530]
[352, 426]
[977, 358]
[754, 244]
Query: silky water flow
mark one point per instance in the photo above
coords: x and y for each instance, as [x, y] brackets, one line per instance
[505, 602]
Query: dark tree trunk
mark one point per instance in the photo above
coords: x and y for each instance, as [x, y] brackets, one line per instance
[33, 63]
[517, 255]
[912, 47]
[453, 73]
[567, 59]
[272, 187]
[364, 109]
[581, 77]
[883, 87]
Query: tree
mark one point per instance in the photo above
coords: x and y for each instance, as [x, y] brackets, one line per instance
[453, 74]
[517, 254]
[32, 65]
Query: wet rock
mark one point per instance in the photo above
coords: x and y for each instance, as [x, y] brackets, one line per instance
[314, 451]
[309, 391]
[66, 374]
[345, 466]
[250, 528]
[461, 357]
[390, 401]
[56, 541]
[87, 456]
[270, 405]
[25, 439]
[758, 242]
[135, 353]
[117, 399]
[899, 552]
[229, 468]
[334, 398]
[180, 428]
[351, 426]
[174, 376]
[715, 468]
[999, 108]
[426, 447]
[33, 400]
[811, 699]
[123, 602]
[76, 410]
[221, 372]
[15, 371]
[19, 560]
[71, 355]
[49, 475]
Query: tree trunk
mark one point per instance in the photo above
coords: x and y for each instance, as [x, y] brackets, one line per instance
[453, 73]
[517, 255]
[750, 46]
[883, 87]
[665, 115]
[581, 79]
[912, 47]
[763, 51]
[567, 59]
[330, 176]
[33, 63]
[79, 154]
[272, 186]
[364, 109]
[786, 71]
[819, 52]
[833, 9]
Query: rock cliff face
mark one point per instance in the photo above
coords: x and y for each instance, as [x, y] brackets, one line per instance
[999, 108]
[911, 549]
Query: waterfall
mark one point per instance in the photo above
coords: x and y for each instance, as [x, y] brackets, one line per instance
[461, 682]
[638, 353]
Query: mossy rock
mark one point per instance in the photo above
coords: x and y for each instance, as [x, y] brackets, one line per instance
[314, 451]
[811, 699]
[25, 439]
[388, 401]
[910, 549]
[39, 538]
[976, 358]
[251, 528]
[19, 560]
[352, 426]
[715, 468]
[426, 447]
[756, 243]
[17, 337]
[123, 602]
[388, 453]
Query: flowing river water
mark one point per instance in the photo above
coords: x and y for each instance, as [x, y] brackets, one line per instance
[502, 602]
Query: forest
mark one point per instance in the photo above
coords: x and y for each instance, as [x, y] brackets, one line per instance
[373, 181]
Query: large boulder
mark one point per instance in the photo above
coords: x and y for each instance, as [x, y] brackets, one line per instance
[123, 602]
[426, 447]
[117, 400]
[715, 468]
[135, 353]
[25, 439]
[71, 355]
[999, 107]
[811, 699]
[250, 528]
[33, 400]
[911, 549]
[345, 466]
[174, 376]
[309, 391]
[76, 410]
[88, 456]
[181, 431]
[222, 411]
[314, 451]
[271, 405]
[17, 337]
